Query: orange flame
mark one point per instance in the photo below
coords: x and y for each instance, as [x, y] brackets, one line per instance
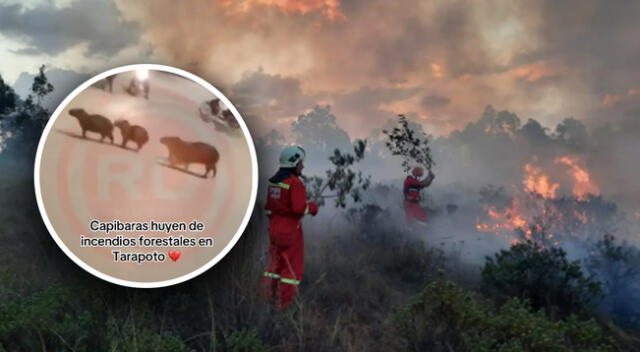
[331, 9]
[534, 212]
[537, 182]
[504, 222]
[582, 184]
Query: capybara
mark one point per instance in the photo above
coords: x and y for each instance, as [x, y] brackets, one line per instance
[133, 133]
[93, 123]
[182, 152]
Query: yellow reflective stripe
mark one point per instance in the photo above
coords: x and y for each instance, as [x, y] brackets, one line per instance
[271, 275]
[284, 280]
[306, 211]
[281, 185]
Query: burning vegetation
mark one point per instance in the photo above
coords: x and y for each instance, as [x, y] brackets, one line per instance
[537, 212]
[582, 185]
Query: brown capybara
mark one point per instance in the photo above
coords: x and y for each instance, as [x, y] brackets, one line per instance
[134, 133]
[93, 123]
[182, 152]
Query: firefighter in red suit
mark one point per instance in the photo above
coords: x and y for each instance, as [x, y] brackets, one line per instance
[412, 186]
[286, 205]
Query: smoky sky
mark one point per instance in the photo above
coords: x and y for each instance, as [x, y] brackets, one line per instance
[600, 37]
[546, 60]
[435, 101]
[48, 29]
[441, 61]
[273, 95]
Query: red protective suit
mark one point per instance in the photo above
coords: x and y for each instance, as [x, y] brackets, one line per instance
[412, 209]
[286, 205]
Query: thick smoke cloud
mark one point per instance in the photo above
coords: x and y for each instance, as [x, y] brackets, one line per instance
[548, 60]
[274, 101]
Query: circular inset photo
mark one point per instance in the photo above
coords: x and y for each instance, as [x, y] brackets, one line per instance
[146, 176]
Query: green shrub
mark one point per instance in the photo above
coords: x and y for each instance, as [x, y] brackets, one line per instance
[543, 276]
[434, 320]
[444, 317]
[28, 314]
[246, 340]
[60, 319]
[515, 327]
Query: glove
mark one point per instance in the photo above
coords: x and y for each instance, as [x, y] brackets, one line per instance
[313, 208]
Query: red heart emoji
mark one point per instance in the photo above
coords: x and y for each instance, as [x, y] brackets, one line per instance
[174, 255]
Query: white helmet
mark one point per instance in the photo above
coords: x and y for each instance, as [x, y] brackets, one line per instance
[291, 156]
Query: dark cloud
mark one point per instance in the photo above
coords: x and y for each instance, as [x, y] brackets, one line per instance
[47, 29]
[435, 101]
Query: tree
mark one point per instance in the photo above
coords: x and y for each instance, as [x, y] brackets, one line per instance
[23, 120]
[617, 266]
[573, 133]
[408, 143]
[498, 122]
[8, 98]
[319, 132]
[41, 86]
[533, 132]
[8, 101]
[342, 178]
